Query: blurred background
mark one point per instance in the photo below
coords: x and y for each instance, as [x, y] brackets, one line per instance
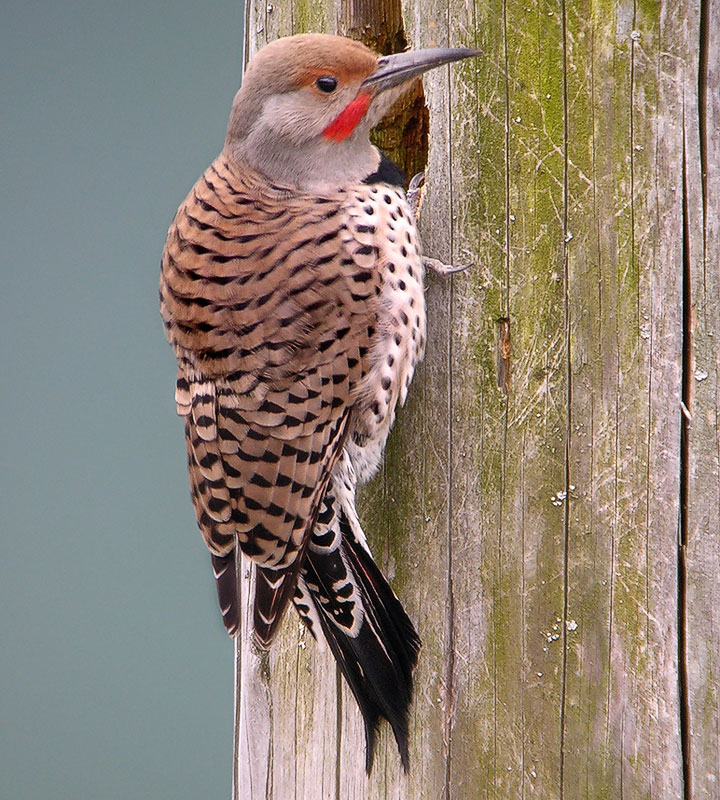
[116, 677]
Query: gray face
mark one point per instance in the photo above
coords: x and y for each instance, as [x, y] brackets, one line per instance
[286, 140]
[308, 163]
[280, 117]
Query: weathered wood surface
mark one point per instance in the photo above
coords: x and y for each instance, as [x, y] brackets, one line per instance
[556, 540]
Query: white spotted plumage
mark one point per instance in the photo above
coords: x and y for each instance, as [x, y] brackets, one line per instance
[382, 212]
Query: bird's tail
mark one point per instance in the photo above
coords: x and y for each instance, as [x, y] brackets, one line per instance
[342, 592]
[226, 584]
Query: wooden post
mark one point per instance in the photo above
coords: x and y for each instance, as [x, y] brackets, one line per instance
[553, 526]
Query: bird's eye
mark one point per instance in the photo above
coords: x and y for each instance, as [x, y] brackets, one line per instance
[326, 84]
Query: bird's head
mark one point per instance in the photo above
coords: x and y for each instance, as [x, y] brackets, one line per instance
[307, 104]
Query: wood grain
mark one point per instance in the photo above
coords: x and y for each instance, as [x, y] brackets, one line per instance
[555, 539]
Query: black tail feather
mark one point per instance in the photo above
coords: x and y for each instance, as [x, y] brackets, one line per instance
[376, 649]
[377, 662]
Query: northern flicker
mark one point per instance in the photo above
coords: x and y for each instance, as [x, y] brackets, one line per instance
[292, 293]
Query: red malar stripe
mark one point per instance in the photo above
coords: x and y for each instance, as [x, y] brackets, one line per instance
[346, 121]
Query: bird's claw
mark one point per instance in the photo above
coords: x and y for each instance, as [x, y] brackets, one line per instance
[415, 193]
[443, 269]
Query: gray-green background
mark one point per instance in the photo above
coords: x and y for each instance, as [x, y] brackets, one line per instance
[115, 673]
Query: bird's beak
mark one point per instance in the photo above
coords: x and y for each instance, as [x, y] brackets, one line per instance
[396, 69]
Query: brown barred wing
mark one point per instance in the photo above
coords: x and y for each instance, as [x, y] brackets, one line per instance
[271, 317]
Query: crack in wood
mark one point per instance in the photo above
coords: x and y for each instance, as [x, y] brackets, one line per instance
[503, 353]
[568, 397]
[449, 678]
[403, 133]
[505, 305]
[339, 727]
[703, 36]
[685, 421]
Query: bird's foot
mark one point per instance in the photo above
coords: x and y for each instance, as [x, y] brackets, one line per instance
[443, 269]
[415, 194]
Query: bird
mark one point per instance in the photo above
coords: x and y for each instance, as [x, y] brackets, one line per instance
[292, 293]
